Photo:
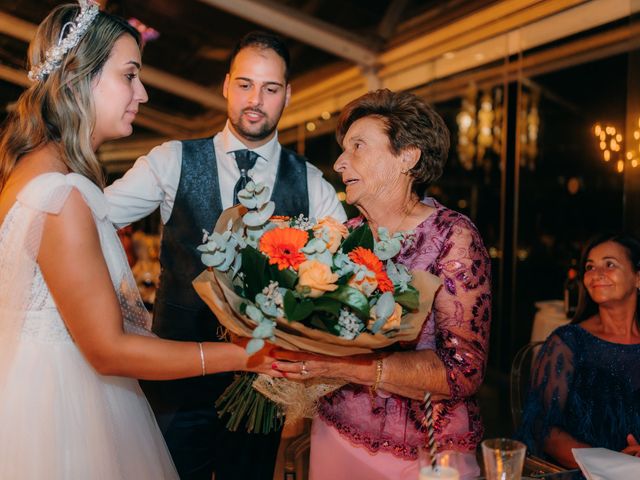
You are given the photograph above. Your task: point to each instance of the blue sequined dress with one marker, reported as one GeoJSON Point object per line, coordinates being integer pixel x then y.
{"type": "Point", "coordinates": [586, 386]}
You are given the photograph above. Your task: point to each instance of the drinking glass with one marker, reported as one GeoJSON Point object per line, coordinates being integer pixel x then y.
{"type": "Point", "coordinates": [503, 458]}
{"type": "Point", "coordinates": [446, 466]}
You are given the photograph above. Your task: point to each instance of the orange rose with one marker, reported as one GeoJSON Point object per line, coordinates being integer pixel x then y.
{"type": "Point", "coordinates": [317, 276]}
{"type": "Point", "coordinates": [367, 285]}
{"type": "Point", "coordinates": [280, 221]}
{"type": "Point", "coordinates": [334, 230]}
{"type": "Point", "coordinates": [392, 322]}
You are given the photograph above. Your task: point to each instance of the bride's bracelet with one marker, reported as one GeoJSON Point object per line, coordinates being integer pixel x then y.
{"type": "Point", "coordinates": [204, 369]}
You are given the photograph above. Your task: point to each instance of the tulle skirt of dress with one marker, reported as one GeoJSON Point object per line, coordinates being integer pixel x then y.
{"type": "Point", "coordinates": [59, 419]}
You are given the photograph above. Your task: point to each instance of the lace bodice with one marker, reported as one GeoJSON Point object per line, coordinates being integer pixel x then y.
{"type": "Point", "coordinates": [41, 321]}
{"type": "Point", "coordinates": [35, 316]}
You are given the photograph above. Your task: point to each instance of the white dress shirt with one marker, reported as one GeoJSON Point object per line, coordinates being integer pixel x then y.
{"type": "Point", "coordinates": [153, 180]}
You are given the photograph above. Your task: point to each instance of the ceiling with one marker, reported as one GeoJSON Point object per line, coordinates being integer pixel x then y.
{"type": "Point", "coordinates": [185, 66]}
{"type": "Point", "coordinates": [339, 49]}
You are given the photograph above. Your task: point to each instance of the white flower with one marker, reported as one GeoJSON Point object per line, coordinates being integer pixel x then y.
{"type": "Point", "coordinates": [270, 300]}
{"type": "Point", "coordinates": [349, 324]}
{"type": "Point", "coordinates": [302, 223]}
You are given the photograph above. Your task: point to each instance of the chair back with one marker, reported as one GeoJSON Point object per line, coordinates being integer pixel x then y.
{"type": "Point", "coordinates": [520, 379]}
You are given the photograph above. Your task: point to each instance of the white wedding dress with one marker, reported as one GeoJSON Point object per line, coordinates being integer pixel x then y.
{"type": "Point", "coordinates": [59, 419]}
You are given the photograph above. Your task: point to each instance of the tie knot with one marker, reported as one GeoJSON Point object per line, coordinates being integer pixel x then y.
{"type": "Point", "coordinates": [245, 159]}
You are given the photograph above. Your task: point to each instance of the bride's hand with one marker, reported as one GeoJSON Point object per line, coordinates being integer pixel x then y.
{"type": "Point", "coordinates": [263, 360]}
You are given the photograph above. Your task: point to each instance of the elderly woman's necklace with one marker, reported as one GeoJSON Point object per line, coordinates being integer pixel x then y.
{"type": "Point", "coordinates": [408, 212]}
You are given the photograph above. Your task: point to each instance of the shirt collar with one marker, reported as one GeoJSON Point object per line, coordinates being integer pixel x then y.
{"type": "Point", "coordinates": [231, 143]}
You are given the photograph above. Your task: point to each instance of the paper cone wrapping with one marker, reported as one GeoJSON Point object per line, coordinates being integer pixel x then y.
{"type": "Point", "coordinates": [298, 399]}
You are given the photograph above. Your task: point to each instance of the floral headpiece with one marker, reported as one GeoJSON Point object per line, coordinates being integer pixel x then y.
{"type": "Point", "coordinates": [70, 35]}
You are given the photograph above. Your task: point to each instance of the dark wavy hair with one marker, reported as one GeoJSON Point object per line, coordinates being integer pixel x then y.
{"type": "Point", "coordinates": [631, 244]}
{"type": "Point", "coordinates": [410, 122]}
{"type": "Point", "coordinates": [263, 40]}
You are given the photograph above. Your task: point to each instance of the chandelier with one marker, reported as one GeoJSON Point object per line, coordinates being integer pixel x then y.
{"type": "Point", "coordinates": [612, 146]}
{"type": "Point", "coordinates": [480, 128]}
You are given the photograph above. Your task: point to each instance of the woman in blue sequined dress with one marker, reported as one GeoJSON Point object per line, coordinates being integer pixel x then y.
{"type": "Point", "coordinates": [586, 383]}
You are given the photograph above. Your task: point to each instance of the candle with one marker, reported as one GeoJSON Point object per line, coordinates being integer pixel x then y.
{"type": "Point", "coordinates": [438, 473]}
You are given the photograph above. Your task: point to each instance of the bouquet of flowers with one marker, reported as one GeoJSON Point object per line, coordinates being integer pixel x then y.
{"type": "Point", "coordinates": [304, 285]}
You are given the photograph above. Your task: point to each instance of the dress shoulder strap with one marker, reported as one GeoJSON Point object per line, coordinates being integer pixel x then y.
{"type": "Point", "coordinates": [49, 192]}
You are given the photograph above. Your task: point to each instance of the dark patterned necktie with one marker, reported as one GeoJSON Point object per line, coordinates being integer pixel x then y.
{"type": "Point", "coordinates": [245, 159]}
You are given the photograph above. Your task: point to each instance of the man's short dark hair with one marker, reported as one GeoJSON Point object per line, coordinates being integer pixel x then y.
{"type": "Point", "coordinates": [263, 40]}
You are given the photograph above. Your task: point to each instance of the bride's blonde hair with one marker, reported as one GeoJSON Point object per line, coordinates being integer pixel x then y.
{"type": "Point", "coordinates": [59, 108]}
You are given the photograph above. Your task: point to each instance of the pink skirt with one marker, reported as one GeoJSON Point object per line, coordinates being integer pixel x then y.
{"type": "Point", "coordinates": [334, 457]}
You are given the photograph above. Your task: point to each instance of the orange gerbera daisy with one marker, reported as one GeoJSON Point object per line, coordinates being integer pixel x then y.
{"type": "Point", "coordinates": [282, 246]}
{"type": "Point", "coordinates": [364, 256]}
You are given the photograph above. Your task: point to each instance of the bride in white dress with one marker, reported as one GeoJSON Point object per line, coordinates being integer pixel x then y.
{"type": "Point", "coordinates": [73, 330]}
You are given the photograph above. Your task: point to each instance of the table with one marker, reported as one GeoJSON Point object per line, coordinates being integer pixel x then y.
{"type": "Point", "coordinates": [550, 315]}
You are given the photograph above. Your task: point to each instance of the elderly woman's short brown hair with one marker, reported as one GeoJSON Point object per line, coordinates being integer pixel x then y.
{"type": "Point", "coordinates": [410, 122]}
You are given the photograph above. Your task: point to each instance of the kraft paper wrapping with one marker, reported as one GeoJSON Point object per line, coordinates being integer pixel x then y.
{"type": "Point", "coordinates": [216, 291]}
{"type": "Point", "coordinates": [298, 399]}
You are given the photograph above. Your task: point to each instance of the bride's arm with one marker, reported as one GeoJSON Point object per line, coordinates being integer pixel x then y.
{"type": "Point", "coordinates": [76, 273]}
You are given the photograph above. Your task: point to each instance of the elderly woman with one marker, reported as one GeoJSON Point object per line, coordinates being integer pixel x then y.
{"type": "Point", "coordinates": [394, 146]}
{"type": "Point", "coordinates": [586, 386]}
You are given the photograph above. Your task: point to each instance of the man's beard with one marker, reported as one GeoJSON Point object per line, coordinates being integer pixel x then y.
{"type": "Point", "coordinates": [265, 130]}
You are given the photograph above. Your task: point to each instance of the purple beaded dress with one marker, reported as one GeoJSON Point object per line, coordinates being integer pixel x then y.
{"type": "Point", "coordinates": [448, 245]}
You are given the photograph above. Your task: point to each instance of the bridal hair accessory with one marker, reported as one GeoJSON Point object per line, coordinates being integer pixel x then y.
{"type": "Point", "coordinates": [74, 32]}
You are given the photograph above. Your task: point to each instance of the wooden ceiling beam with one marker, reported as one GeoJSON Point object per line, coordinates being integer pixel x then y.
{"type": "Point", "coordinates": [302, 27]}
{"type": "Point", "coordinates": [22, 30]}
{"type": "Point", "coordinates": [392, 16]}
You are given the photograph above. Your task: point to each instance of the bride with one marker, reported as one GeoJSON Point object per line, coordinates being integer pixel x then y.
{"type": "Point", "coordinates": [73, 330]}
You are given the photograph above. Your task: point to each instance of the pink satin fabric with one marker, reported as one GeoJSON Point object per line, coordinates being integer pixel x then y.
{"type": "Point", "coordinates": [333, 457]}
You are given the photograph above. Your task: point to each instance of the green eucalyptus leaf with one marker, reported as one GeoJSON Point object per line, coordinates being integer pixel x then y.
{"type": "Point", "coordinates": [352, 298]}
{"type": "Point", "coordinates": [360, 237]}
{"type": "Point", "coordinates": [409, 299]}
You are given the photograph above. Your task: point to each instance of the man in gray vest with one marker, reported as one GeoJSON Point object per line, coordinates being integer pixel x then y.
{"type": "Point", "coordinates": [192, 182]}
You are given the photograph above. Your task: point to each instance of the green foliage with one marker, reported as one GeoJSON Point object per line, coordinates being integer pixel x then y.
{"type": "Point", "coordinates": [296, 309]}
{"type": "Point", "coordinates": [360, 237]}
{"type": "Point", "coordinates": [410, 298]}
{"type": "Point", "coordinates": [258, 277]}
{"type": "Point", "coordinates": [352, 298]}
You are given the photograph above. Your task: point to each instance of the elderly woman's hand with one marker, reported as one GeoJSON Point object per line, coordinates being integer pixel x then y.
{"type": "Point", "coordinates": [303, 366]}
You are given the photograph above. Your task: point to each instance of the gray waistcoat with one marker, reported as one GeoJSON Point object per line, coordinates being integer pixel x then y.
{"type": "Point", "coordinates": [179, 313]}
